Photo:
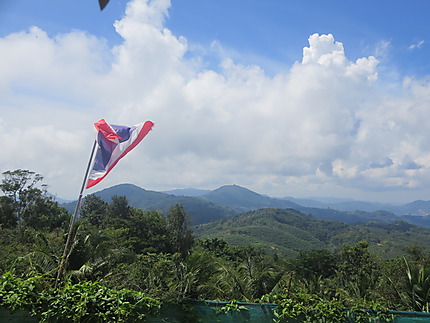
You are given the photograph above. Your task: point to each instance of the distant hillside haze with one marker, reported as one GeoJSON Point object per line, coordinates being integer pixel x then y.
{"type": "Point", "coordinates": [205, 206]}
{"type": "Point", "coordinates": [342, 204]}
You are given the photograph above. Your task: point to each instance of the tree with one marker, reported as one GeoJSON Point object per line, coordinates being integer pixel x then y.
{"type": "Point", "coordinates": [179, 227]}
{"type": "Point", "coordinates": [192, 275]}
{"type": "Point", "coordinates": [20, 187]}
{"type": "Point", "coordinates": [93, 209]}
{"type": "Point", "coordinates": [8, 217]}
{"type": "Point", "coordinates": [358, 271]}
{"type": "Point", "coordinates": [91, 260]}
{"type": "Point", "coordinates": [248, 280]}
{"type": "Point", "coordinates": [115, 215]}
{"type": "Point", "coordinates": [28, 201]}
{"type": "Point", "coordinates": [416, 253]}
{"type": "Point", "coordinates": [117, 211]}
{"type": "Point", "coordinates": [44, 214]}
{"type": "Point", "coordinates": [148, 232]}
{"type": "Point", "coordinates": [315, 263]}
{"type": "Point", "coordinates": [313, 267]}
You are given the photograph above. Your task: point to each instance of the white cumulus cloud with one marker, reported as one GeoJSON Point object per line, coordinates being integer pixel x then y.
{"type": "Point", "coordinates": [326, 126]}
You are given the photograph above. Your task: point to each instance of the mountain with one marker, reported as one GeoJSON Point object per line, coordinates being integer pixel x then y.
{"type": "Point", "coordinates": [306, 202]}
{"type": "Point", "coordinates": [200, 210]}
{"type": "Point", "coordinates": [350, 217]}
{"type": "Point", "coordinates": [187, 192]}
{"type": "Point", "coordinates": [242, 217]}
{"type": "Point", "coordinates": [243, 199]}
{"type": "Point", "coordinates": [418, 207]}
{"type": "Point", "coordinates": [344, 204]}
{"type": "Point", "coordinates": [230, 200]}
{"type": "Point", "coordinates": [288, 232]}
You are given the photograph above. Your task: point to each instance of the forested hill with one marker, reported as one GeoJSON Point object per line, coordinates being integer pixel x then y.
{"type": "Point", "coordinates": [200, 210]}
{"type": "Point", "coordinates": [243, 199]}
{"type": "Point", "coordinates": [231, 200]}
{"type": "Point", "coordinates": [289, 232]}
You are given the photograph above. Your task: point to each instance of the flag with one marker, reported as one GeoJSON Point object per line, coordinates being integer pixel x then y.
{"type": "Point", "coordinates": [114, 142]}
{"type": "Point", "coordinates": [103, 4]}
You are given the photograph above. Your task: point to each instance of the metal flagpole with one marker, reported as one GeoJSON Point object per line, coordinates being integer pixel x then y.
{"type": "Point", "coordinates": [72, 228]}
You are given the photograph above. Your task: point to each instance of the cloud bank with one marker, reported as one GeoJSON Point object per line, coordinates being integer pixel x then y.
{"type": "Point", "coordinates": [327, 126]}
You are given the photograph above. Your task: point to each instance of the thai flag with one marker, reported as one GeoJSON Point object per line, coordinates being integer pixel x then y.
{"type": "Point", "coordinates": [114, 142]}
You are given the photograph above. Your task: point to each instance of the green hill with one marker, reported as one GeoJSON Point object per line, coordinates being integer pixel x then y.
{"type": "Point", "coordinates": [243, 199]}
{"type": "Point", "coordinates": [200, 210]}
{"type": "Point", "coordinates": [232, 199]}
{"type": "Point", "coordinates": [289, 232]}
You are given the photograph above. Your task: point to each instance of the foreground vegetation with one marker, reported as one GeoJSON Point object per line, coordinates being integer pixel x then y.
{"type": "Point", "coordinates": [125, 260]}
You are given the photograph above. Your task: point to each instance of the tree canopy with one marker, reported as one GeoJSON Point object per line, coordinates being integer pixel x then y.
{"type": "Point", "coordinates": [26, 202]}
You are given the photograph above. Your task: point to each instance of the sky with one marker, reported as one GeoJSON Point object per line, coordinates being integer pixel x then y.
{"type": "Point", "coordinates": [287, 98]}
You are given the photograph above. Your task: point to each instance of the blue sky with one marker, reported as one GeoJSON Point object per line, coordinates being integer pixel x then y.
{"type": "Point", "coordinates": [271, 33]}
{"type": "Point", "coordinates": [279, 29]}
{"type": "Point", "coordinates": [287, 98]}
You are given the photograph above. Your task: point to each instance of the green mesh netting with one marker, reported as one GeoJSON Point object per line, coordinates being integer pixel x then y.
{"type": "Point", "coordinates": [210, 312]}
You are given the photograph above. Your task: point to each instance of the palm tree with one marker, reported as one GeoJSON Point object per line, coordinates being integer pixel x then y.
{"type": "Point", "coordinates": [418, 286]}
{"type": "Point", "coordinates": [43, 259]}
{"type": "Point", "coordinates": [192, 276]}
{"type": "Point", "coordinates": [87, 261]}
{"type": "Point", "coordinates": [96, 260]}
{"type": "Point", "coordinates": [247, 281]}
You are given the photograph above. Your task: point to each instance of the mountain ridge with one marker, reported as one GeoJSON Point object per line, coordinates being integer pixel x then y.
{"type": "Point", "coordinates": [229, 200]}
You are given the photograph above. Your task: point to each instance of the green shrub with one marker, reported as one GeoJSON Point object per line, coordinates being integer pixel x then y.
{"type": "Point", "coordinates": [313, 308]}
{"type": "Point", "coordinates": [84, 302]}
{"type": "Point", "coordinates": [21, 293]}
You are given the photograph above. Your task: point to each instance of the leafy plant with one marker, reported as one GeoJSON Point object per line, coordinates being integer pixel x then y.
{"type": "Point", "coordinates": [85, 302]}
{"type": "Point", "coordinates": [367, 312]}
{"type": "Point", "coordinates": [313, 308]}
{"type": "Point", "coordinates": [21, 293]}
{"type": "Point", "coordinates": [93, 302]}
{"type": "Point", "coordinates": [231, 307]}
{"type": "Point", "coordinates": [310, 308]}
{"type": "Point", "coordinates": [418, 286]}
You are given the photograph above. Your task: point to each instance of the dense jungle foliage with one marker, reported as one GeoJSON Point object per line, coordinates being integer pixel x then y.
{"type": "Point", "coordinates": [125, 260]}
